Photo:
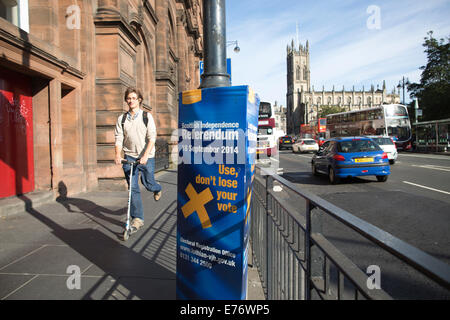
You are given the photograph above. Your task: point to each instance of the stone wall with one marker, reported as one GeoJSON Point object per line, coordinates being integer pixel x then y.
{"type": "Point", "coordinates": [81, 56]}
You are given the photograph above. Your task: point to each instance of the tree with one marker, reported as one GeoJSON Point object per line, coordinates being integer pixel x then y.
{"type": "Point", "coordinates": [326, 110]}
{"type": "Point", "coordinates": [433, 91]}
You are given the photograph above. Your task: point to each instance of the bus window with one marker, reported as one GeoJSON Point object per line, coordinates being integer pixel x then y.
{"type": "Point", "coordinates": [396, 111]}
{"type": "Point", "coordinates": [345, 117]}
{"type": "Point", "coordinates": [380, 131]}
{"type": "Point", "coordinates": [351, 117]}
{"type": "Point", "coordinates": [363, 116]}
{"type": "Point", "coordinates": [379, 114]}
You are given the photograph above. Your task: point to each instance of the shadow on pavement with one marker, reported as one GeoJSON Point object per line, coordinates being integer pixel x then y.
{"type": "Point", "coordinates": [125, 272]}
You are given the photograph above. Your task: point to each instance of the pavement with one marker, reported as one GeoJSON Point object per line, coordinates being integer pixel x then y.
{"type": "Point", "coordinates": [46, 244]}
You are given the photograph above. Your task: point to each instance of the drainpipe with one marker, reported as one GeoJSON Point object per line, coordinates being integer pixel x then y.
{"type": "Point", "coordinates": [214, 37]}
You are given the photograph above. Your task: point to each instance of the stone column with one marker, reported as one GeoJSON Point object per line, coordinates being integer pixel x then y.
{"type": "Point", "coordinates": [56, 142]}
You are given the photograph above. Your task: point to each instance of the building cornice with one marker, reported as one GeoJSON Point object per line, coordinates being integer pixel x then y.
{"type": "Point", "coordinates": [164, 76]}
{"type": "Point", "coordinates": [29, 47]}
{"type": "Point", "coordinates": [116, 20]}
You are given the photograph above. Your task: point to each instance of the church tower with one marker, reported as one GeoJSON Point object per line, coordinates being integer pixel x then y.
{"type": "Point", "coordinates": [298, 81]}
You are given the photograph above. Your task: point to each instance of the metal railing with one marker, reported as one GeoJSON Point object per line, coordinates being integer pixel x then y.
{"type": "Point", "coordinates": [161, 154]}
{"type": "Point", "coordinates": [296, 261]}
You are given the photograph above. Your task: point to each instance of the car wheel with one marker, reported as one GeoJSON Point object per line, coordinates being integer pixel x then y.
{"type": "Point", "coordinates": [332, 176]}
{"type": "Point", "coordinates": [382, 178]}
{"type": "Point", "coordinates": [392, 161]}
{"type": "Point", "coordinates": [314, 169]}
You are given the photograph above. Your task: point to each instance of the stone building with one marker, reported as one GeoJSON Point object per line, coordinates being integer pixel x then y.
{"type": "Point", "coordinates": [303, 102]}
{"type": "Point", "coordinates": [280, 117]}
{"type": "Point", "coordinates": [64, 67]}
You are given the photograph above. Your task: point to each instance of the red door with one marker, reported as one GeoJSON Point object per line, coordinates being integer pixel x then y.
{"type": "Point", "coordinates": [16, 134]}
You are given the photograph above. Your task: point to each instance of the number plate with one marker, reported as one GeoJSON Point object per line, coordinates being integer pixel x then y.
{"type": "Point", "coordinates": [364, 160]}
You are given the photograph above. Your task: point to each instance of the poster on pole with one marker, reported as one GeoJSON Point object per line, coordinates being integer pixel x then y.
{"type": "Point", "coordinates": [217, 148]}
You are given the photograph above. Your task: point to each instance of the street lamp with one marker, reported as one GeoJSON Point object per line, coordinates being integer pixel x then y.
{"type": "Point", "coordinates": [236, 48]}
{"type": "Point", "coordinates": [403, 84]}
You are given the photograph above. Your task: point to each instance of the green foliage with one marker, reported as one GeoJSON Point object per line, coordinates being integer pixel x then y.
{"type": "Point", "coordinates": [433, 91]}
{"type": "Point", "coordinates": [325, 110]}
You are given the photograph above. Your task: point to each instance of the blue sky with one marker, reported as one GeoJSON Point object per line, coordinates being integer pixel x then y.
{"type": "Point", "coordinates": [346, 47]}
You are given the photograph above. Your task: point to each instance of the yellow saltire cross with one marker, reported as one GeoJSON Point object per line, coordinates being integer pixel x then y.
{"type": "Point", "coordinates": [197, 203]}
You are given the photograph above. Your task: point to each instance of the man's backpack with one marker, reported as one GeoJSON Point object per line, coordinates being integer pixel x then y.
{"type": "Point", "coordinates": [144, 118]}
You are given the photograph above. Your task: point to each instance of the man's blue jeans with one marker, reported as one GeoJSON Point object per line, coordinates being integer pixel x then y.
{"type": "Point", "coordinates": [147, 179]}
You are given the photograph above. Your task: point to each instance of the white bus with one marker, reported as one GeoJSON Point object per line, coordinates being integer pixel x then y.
{"type": "Point", "coordinates": [387, 120]}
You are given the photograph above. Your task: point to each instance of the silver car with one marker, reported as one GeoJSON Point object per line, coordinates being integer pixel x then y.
{"type": "Point", "coordinates": [387, 145]}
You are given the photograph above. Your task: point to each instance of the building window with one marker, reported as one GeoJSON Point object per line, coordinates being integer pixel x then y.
{"type": "Point", "coordinates": [297, 73]}
{"type": "Point", "coordinates": [16, 12]}
{"type": "Point", "coordinates": [305, 71]}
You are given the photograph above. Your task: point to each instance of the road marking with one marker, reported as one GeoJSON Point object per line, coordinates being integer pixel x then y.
{"type": "Point", "coordinates": [432, 189]}
{"type": "Point", "coordinates": [427, 156]}
{"type": "Point", "coordinates": [28, 254]}
{"type": "Point", "coordinates": [23, 285]}
{"type": "Point", "coordinates": [430, 166]}
{"type": "Point", "coordinates": [308, 157]}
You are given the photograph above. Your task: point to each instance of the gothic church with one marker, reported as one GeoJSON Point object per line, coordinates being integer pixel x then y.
{"type": "Point", "coordinates": [303, 102]}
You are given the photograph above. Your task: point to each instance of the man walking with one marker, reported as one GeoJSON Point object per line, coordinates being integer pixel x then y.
{"type": "Point", "coordinates": [135, 134]}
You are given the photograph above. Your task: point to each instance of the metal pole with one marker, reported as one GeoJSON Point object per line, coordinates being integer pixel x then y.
{"type": "Point", "coordinates": [403, 90]}
{"type": "Point", "coordinates": [214, 36]}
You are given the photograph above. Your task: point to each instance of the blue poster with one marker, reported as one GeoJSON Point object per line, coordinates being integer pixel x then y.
{"type": "Point", "coordinates": [217, 148]}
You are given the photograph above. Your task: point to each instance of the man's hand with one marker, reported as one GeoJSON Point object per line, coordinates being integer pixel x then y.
{"type": "Point", "coordinates": [143, 159]}
{"type": "Point", "coordinates": [118, 159]}
{"type": "Point", "coordinates": [118, 153]}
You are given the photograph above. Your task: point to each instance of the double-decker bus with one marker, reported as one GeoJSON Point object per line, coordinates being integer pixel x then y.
{"type": "Point", "coordinates": [307, 131]}
{"type": "Point", "coordinates": [316, 130]}
{"type": "Point", "coordinates": [320, 130]}
{"type": "Point", "coordinates": [387, 119]}
{"type": "Point", "coordinates": [267, 140]}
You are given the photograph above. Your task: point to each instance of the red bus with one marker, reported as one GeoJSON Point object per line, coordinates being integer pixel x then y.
{"type": "Point", "coordinates": [320, 130]}
{"type": "Point", "coordinates": [267, 143]}
{"type": "Point", "coordinates": [314, 130]}
{"type": "Point", "coordinates": [307, 131]}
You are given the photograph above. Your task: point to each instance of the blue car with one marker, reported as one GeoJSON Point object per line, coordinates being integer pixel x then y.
{"type": "Point", "coordinates": [351, 157]}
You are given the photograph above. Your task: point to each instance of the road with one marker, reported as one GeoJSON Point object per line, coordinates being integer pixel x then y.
{"type": "Point", "coordinates": [413, 205]}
